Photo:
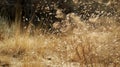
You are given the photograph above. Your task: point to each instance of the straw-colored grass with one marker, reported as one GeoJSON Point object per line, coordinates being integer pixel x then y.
{"type": "Point", "coordinates": [92, 44]}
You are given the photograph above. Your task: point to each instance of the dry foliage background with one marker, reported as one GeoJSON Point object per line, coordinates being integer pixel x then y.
{"type": "Point", "coordinates": [92, 43]}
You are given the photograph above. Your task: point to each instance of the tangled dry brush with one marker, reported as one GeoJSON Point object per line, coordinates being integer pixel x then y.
{"type": "Point", "coordinates": [74, 43]}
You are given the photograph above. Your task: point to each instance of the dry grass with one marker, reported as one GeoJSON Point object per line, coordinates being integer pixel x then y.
{"type": "Point", "coordinates": [92, 44]}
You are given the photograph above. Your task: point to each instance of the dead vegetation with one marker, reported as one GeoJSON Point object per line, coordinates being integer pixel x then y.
{"type": "Point", "coordinates": [91, 44]}
{"type": "Point", "coordinates": [75, 43]}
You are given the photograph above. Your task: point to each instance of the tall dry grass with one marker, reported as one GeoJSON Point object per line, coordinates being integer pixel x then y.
{"type": "Point", "coordinates": [92, 43]}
